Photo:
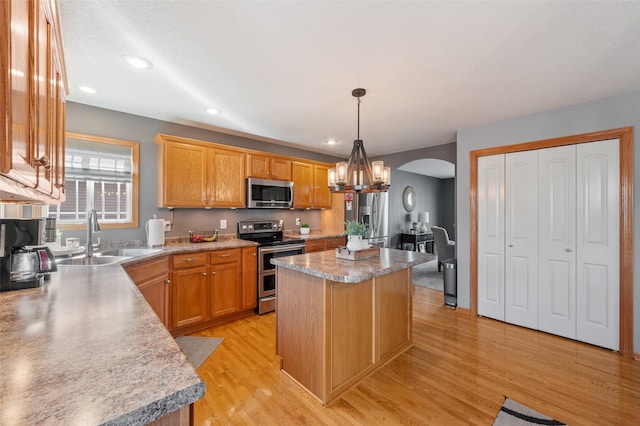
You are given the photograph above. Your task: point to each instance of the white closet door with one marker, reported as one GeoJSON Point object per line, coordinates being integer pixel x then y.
{"type": "Point", "coordinates": [521, 235]}
{"type": "Point", "coordinates": [598, 243]}
{"type": "Point", "coordinates": [557, 241]}
{"type": "Point", "coordinates": [491, 236]}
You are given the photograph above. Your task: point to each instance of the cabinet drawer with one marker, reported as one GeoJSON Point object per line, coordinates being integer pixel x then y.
{"type": "Point", "coordinates": [144, 271]}
{"type": "Point", "coordinates": [225, 256]}
{"type": "Point", "coordinates": [332, 243]}
{"type": "Point", "coordinates": [314, 245]}
{"type": "Point", "coordinates": [189, 260]}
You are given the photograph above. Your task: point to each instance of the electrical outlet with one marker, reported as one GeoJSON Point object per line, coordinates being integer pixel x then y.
{"type": "Point", "coordinates": [298, 221]}
{"type": "Point", "coordinates": [167, 226]}
{"type": "Point", "coordinates": [223, 223]}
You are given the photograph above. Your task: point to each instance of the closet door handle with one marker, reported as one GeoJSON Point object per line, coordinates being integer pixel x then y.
{"type": "Point", "coordinates": [568, 250]}
{"type": "Point", "coordinates": [510, 245]}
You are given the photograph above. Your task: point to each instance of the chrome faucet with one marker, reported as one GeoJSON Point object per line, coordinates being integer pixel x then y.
{"type": "Point", "coordinates": [92, 226]}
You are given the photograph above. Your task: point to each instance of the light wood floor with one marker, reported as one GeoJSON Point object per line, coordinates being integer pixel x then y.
{"type": "Point", "coordinates": [458, 372]}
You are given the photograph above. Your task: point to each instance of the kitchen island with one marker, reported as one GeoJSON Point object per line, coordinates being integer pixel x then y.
{"type": "Point", "coordinates": [338, 320]}
{"type": "Point", "coordinates": [86, 349]}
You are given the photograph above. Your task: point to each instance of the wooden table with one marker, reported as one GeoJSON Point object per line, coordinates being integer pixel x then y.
{"type": "Point", "coordinates": [417, 239]}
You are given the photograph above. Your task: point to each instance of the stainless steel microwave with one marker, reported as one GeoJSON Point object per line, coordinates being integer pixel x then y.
{"type": "Point", "coordinates": [269, 194]}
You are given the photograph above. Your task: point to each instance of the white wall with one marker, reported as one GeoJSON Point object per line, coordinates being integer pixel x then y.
{"type": "Point", "coordinates": [603, 114]}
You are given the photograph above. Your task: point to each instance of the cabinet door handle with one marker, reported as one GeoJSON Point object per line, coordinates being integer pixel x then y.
{"type": "Point", "coordinates": [204, 274]}
{"type": "Point", "coordinates": [254, 254]}
{"type": "Point", "coordinates": [225, 255]}
{"type": "Point", "coordinates": [43, 161]}
{"type": "Point", "coordinates": [167, 281]}
{"type": "Point", "coordinates": [213, 273]}
{"type": "Point", "coordinates": [191, 259]}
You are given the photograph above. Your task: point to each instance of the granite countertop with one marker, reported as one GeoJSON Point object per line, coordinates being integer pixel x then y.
{"type": "Point", "coordinates": [185, 247]}
{"type": "Point", "coordinates": [325, 264]}
{"type": "Point", "coordinates": [86, 348]}
{"type": "Point", "coordinates": [314, 235]}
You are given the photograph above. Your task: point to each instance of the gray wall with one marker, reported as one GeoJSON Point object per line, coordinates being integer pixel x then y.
{"type": "Point", "coordinates": [107, 123]}
{"type": "Point", "coordinates": [433, 195]}
{"type": "Point", "coordinates": [603, 114]}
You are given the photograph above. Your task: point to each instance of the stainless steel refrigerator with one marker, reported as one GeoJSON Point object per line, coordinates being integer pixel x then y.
{"type": "Point", "coordinates": [372, 210]}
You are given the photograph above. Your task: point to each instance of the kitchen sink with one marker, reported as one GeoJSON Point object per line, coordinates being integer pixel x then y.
{"type": "Point", "coordinates": [91, 261]}
{"type": "Point", "coordinates": [131, 252]}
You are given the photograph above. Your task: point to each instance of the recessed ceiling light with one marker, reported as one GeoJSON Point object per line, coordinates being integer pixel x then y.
{"type": "Point", "coordinates": [137, 61]}
{"type": "Point", "coordinates": [331, 142]}
{"type": "Point", "coordinates": [214, 111]}
{"type": "Point", "coordinates": [87, 89]}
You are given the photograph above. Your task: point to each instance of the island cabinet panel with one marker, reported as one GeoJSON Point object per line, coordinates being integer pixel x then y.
{"type": "Point", "coordinates": [331, 335]}
{"type": "Point", "coordinates": [352, 330]}
{"type": "Point", "coordinates": [394, 319]}
{"type": "Point", "coordinates": [301, 333]}
{"type": "Point", "coordinates": [152, 279]}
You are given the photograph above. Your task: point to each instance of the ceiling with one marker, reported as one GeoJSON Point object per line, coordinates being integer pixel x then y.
{"type": "Point", "coordinates": [284, 70]}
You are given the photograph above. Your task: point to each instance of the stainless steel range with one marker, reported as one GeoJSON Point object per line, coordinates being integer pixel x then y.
{"type": "Point", "coordinates": [271, 244]}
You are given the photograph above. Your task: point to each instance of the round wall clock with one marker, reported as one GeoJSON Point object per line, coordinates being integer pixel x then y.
{"type": "Point", "coordinates": [409, 199]}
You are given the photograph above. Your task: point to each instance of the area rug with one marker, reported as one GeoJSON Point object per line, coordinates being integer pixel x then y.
{"type": "Point", "coordinates": [427, 275]}
{"type": "Point", "coordinates": [515, 414]}
{"type": "Point", "coordinates": [198, 349]}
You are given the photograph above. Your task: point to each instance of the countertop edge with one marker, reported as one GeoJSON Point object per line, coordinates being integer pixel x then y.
{"type": "Point", "coordinates": [160, 407]}
{"type": "Point", "coordinates": [321, 270]}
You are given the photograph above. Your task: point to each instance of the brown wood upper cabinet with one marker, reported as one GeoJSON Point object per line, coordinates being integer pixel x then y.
{"type": "Point", "coordinates": [199, 174]}
{"type": "Point", "coordinates": [32, 138]}
{"type": "Point", "coordinates": [310, 189]}
{"type": "Point", "coordinates": [266, 166]}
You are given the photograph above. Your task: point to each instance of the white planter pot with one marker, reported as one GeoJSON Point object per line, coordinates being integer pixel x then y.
{"type": "Point", "coordinates": [354, 243]}
{"type": "Point", "coordinates": [305, 231]}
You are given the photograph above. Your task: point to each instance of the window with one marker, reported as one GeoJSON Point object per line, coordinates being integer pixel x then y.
{"type": "Point", "coordinates": [100, 173]}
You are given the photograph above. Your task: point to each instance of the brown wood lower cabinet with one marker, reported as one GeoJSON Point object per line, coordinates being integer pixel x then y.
{"type": "Point", "coordinates": [152, 279]}
{"type": "Point", "coordinates": [322, 244]}
{"type": "Point", "coordinates": [212, 287]}
{"type": "Point", "coordinates": [193, 291]}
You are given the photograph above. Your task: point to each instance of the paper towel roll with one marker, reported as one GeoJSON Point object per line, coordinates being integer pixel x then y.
{"type": "Point", "coordinates": [155, 232]}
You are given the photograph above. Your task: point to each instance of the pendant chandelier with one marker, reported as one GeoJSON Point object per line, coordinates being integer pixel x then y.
{"type": "Point", "coordinates": [358, 174]}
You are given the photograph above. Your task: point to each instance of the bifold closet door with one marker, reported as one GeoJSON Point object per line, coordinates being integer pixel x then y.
{"type": "Point", "coordinates": [491, 237]}
{"type": "Point", "coordinates": [598, 243]}
{"type": "Point", "coordinates": [521, 238]}
{"type": "Point", "coordinates": [557, 240]}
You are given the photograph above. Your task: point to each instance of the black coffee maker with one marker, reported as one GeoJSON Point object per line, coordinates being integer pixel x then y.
{"type": "Point", "coordinates": [24, 261]}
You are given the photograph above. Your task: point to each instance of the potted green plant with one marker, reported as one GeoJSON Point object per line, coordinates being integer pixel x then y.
{"type": "Point", "coordinates": [305, 229]}
{"type": "Point", "coordinates": [355, 231]}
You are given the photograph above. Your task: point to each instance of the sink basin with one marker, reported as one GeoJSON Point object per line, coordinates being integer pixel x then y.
{"type": "Point", "coordinates": [92, 261]}
{"type": "Point", "coordinates": [131, 252]}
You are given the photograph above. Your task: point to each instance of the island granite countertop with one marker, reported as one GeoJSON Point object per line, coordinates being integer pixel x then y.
{"type": "Point", "coordinates": [87, 349]}
{"type": "Point", "coordinates": [325, 264]}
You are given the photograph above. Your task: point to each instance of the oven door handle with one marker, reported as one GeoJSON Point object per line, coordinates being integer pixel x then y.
{"type": "Point", "coordinates": [283, 247]}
